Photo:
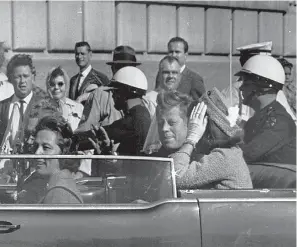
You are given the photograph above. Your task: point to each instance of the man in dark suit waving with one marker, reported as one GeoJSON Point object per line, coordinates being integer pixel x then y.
{"type": "Point", "coordinates": [88, 79]}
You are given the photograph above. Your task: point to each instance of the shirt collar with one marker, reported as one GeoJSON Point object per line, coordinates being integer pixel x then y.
{"type": "Point", "coordinates": [182, 68]}
{"type": "Point", "coordinates": [86, 71]}
{"type": "Point", "coordinates": [68, 101]}
{"type": "Point", "coordinates": [27, 99]}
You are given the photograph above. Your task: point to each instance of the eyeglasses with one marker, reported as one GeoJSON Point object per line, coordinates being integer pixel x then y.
{"type": "Point", "coordinates": [60, 84]}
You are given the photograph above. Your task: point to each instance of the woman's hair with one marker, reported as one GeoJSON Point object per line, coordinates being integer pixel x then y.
{"type": "Point", "coordinates": [214, 136]}
{"type": "Point", "coordinates": [44, 107]}
{"type": "Point", "coordinates": [54, 73]}
{"type": "Point", "coordinates": [285, 63]}
{"type": "Point", "coordinates": [41, 108]}
{"type": "Point", "coordinates": [64, 134]}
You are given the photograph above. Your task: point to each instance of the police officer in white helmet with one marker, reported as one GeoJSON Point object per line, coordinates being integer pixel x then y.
{"type": "Point", "coordinates": [270, 135]}
{"type": "Point", "coordinates": [129, 84]}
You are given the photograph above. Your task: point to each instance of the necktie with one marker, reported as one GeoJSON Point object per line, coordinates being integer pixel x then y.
{"type": "Point", "coordinates": [78, 84]}
{"type": "Point", "coordinates": [22, 102]}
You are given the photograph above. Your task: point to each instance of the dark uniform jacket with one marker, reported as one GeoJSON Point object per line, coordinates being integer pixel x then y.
{"type": "Point", "coordinates": [4, 111]}
{"type": "Point", "coordinates": [130, 131]}
{"type": "Point", "coordinates": [191, 84]}
{"type": "Point", "coordinates": [94, 77]}
{"type": "Point", "coordinates": [270, 136]}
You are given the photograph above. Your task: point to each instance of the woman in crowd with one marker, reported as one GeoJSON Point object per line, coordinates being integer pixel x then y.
{"type": "Point", "coordinates": [57, 83]}
{"type": "Point", "coordinates": [202, 142]}
{"type": "Point", "coordinates": [53, 137]}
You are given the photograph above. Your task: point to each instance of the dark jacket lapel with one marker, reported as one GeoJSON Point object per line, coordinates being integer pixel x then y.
{"type": "Point", "coordinates": [4, 111]}
{"type": "Point", "coordinates": [92, 78]}
{"type": "Point", "coordinates": [73, 87]}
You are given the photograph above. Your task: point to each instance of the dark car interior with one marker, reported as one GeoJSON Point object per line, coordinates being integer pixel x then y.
{"type": "Point", "coordinates": [129, 181]}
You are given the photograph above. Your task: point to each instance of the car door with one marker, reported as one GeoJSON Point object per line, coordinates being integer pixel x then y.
{"type": "Point", "coordinates": [118, 218]}
{"type": "Point", "coordinates": [164, 223]}
{"type": "Point", "coordinates": [247, 217]}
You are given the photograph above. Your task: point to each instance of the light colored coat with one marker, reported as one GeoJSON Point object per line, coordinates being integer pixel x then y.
{"type": "Point", "coordinates": [223, 168]}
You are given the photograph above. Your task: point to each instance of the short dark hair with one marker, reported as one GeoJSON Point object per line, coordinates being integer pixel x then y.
{"type": "Point", "coordinates": [166, 100]}
{"type": "Point", "coordinates": [82, 43]}
{"type": "Point", "coordinates": [213, 137]}
{"type": "Point", "coordinates": [285, 63]}
{"type": "Point", "coordinates": [64, 134]}
{"type": "Point", "coordinates": [169, 59]}
{"type": "Point", "coordinates": [60, 126]}
{"type": "Point", "coordinates": [179, 39]}
{"type": "Point", "coordinates": [19, 60]}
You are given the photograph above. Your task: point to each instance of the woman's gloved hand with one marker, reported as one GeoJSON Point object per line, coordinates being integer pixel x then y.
{"type": "Point", "coordinates": [196, 124]}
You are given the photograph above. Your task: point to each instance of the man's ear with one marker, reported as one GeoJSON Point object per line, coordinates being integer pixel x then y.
{"type": "Point", "coordinates": [90, 52]}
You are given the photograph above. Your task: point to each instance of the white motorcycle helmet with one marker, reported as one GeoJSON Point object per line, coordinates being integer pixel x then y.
{"type": "Point", "coordinates": [131, 78]}
{"type": "Point", "coordinates": [267, 68]}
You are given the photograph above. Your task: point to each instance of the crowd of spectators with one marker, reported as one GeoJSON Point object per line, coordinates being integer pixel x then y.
{"type": "Point", "coordinates": [212, 140]}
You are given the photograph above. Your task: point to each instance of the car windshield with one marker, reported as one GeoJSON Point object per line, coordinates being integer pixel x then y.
{"type": "Point", "coordinates": [110, 180]}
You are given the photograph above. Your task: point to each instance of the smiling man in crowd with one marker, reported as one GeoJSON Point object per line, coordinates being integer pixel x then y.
{"type": "Point", "coordinates": [191, 83]}
{"type": "Point", "coordinates": [88, 79]}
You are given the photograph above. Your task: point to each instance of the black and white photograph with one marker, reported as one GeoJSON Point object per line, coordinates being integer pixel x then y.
{"type": "Point", "coordinates": [147, 123]}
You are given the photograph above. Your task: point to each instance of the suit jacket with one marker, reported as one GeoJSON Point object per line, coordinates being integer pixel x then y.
{"type": "Point", "coordinates": [191, 83]}
{"type": "Point", "coordinates": [4, 111]}
{"type": "Point", "coordinates": [94, 77]}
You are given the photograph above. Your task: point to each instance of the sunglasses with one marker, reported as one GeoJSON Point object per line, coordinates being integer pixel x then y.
{"type": "Point", "coordinates": [60, 84]}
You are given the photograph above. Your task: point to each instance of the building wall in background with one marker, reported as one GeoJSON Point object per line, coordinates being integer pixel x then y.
{"type": "Point", "coordinates": [49, 29]}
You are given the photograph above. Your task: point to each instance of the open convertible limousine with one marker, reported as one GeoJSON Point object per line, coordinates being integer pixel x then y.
{"type": "Point", "coordinates": [139, 205]}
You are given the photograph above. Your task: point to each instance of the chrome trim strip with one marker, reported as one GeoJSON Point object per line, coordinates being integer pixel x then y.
{"type": "Point", "coordinates": [83, 207]}
{"type": "Point", "coordinates": [109, 157]}
{"type": "Point", "coordinates": [208, 200]}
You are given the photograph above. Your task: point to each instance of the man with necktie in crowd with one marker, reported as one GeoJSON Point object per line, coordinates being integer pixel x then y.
{"type": "Point", "coordinates": [14, 111]}
{"type": "Point", "coordinates": [88, 79]}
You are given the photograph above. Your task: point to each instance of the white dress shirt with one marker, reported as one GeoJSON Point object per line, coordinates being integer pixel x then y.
{"type": "Point", "coordinates": [182, 68]}
{"type": "Point", "coordinates": [84, 75]}
{"type": "Point", "coordinates": [16, 100]}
